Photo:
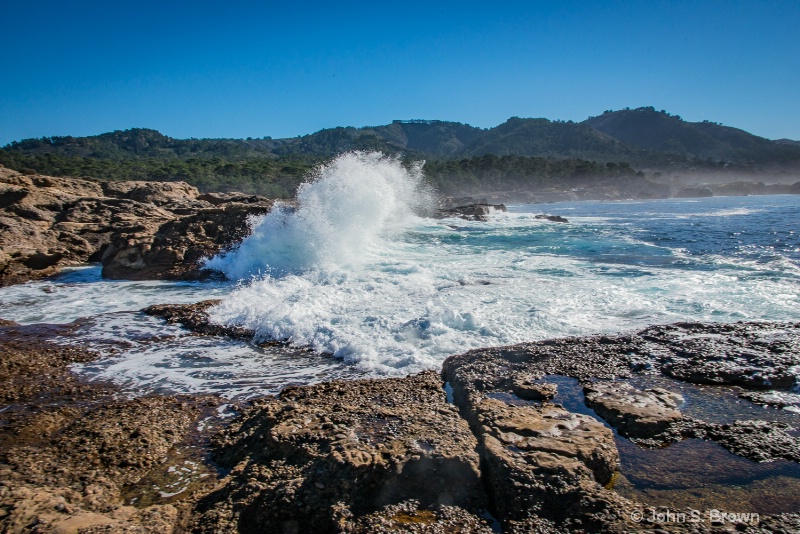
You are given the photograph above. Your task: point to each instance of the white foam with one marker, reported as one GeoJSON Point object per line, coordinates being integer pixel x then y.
{"type": "Point", "coordinates": [353, 272]}
{"type": "Point", "coordinates": [144, 355]}
{"type": "Point", "coordinates": [82, 292]}
{"type": "Point", "coordinates": [352, 205]}
{"type": "Point", "coordinates": [433, 292]}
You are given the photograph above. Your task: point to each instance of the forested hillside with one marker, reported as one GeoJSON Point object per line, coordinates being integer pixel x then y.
{"type": "Point", "coordinates": [520, 153]}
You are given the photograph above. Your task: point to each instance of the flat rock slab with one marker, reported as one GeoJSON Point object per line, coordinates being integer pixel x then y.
{"type": "Point", "coordinates": [751, 355]}
{"type": "Point", "coordinates": [316, 454]}
{"type": "Point", "coordinates": [636, 414]}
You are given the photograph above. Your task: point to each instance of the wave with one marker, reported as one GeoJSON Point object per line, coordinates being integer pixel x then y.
{"type": "Point", "coordinates": [349, 207]}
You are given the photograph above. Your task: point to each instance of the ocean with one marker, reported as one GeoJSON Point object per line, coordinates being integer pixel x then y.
{"type": "Point", "coordinates": [360, 284]}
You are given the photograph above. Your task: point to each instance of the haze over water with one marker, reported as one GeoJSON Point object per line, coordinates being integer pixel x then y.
{"type": "Point", "coordinates": [358, 272]}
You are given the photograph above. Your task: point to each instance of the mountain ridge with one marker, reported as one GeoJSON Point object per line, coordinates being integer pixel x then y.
{"type": "Point", "coordinates": [519, 153]}
{"type": "Point", "coordinates": [640, 136]}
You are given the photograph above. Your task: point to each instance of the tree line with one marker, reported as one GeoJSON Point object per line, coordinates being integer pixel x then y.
{"type": "Point", "coordinates": [279, 177]}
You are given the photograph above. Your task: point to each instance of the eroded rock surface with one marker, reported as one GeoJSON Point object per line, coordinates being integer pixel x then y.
{"type": "Point", "coordinates": [636, 414]}
{"type": "Point", "coordinates": [542, 479]}
{"type": "Point", "coordinates": [472, 212]}
{"type": "Point", "coordinates": [761, 441]}
{"type": "Point", "coordinates": [69, 450]}
{"type": "Point", "coordinates": [195, 317]}
{"type": "Point", "coordinates": [382, 455]}
{"type": "Point", "coordinates": [174, 250]}
{"type": "Point", "coordinates": [751, 355]}
{"type": "Point", "coordinates": [410, 517]}
{"type": "Point", "coordinates": [319, 456]}
{"type": "Point", "coordinates": [140, 230]}
{"type": "Point", "coordinates": [545, 467]}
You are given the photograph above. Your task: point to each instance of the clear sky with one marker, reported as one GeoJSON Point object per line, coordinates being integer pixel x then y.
{"type": "Point", "coordinates": [262, 68]}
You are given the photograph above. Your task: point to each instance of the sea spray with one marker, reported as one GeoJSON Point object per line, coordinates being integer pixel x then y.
{"type": "Point", "coordinates": [332, 273]}
{"type": "Point", "coordinates": [349, 206]}
{"type": "Point", "coordinates": [432, 288]}
{"type": "Point", "coordinates": [407, 292]}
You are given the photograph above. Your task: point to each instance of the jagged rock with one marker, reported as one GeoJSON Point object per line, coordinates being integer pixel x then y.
{"type": "Point", "coordinates": [140, 230]}
{"type": "Point", "coordinates": [543, 465]}
{"type": "Point", "coordinates": [636, 414]}
{"type": "Point", "coordinates": [760, 441]}
{"type": "Point", "coordinates": [315, 454]}
{"type": "Point", "coordinates": [472, 212]}
{"type": "Point", "coordinates": [751, 355]}
{"type": "Point", "coordinates": [174, 250]}
{"type": "Point", "coordinates": [195, 318]}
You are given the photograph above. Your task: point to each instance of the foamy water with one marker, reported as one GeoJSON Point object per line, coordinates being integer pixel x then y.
{"type": "Point", "coordinates": [360, 282]}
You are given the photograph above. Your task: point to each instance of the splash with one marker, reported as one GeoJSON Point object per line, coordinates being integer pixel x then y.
{"type": "Point", "coordinates": [349, 208]}
{"type": "Point", "coordinates": [352, 272]}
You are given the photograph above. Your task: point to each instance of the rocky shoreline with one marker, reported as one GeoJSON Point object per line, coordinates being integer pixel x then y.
{"type": "Point", "coordinates": [486, 445]}
{"type": "Point", "coordinates": [535, 437]}
{"type": "Point", "coordinates": [137, 230]}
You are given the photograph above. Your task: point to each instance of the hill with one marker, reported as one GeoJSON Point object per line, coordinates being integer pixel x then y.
{"type": "Point", "coordinates": [661, 132]}
{"type": "Point", "coordinates": [527, 151]}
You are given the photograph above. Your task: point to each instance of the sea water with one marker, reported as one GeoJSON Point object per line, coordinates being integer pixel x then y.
{"type": "Point", "coordinates": [361, 282]}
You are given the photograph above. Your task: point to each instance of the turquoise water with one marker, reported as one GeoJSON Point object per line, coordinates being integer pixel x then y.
{"type": "Point", "coordinates": [402, 299]}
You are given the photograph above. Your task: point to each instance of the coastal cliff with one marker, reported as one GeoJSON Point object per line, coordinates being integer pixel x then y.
{"type": "Point", "coordinates": [138, 230]}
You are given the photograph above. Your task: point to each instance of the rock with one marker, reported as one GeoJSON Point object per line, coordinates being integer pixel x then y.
{"type": "Point", "coordinates": [409, 516]}
{"type": "Point", "coordinates": [760, 441]}
{"type": "Point", "coordinates": [778, 399]}
{"type": "Point", "coordinates": [66, 466]}
{"type": "Point", "coordinates": [140, 230]}
{"type": "Point", "coordinates": [218, 199]}
{"type": "Point", "coordinates": [552, 218]}
{"type": "Point", "coordinates": [31, 364]}
{"type": "Point", "coordinates": [637, 415]}
{"type": "Point", "coordinates": [544, 442]}
{"type": "Point", "coordinates": [303, 461]}
{"type": "Point", "coordinates": [751, 355]}
{"type": "Point", "coordinates": [195, 318]}
{"type": "Point", "coordinates": [543, 465]}
{"type": "Point", "coordinates": [526, 387]}
{"type": "Point", "coordinates": [472, 212]}
{"type": "Point", "coordinates": [382, 455]}
{"type": "Point", "coordinates": [70, 450]}
{"type": "Point", "coordinates": [157, 193]}
{"type": "Point", "coordinates": [175, 249]}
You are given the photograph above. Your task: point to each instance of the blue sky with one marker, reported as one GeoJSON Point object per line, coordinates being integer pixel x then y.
{"type": "Point", "coordinates": [281, 69]}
